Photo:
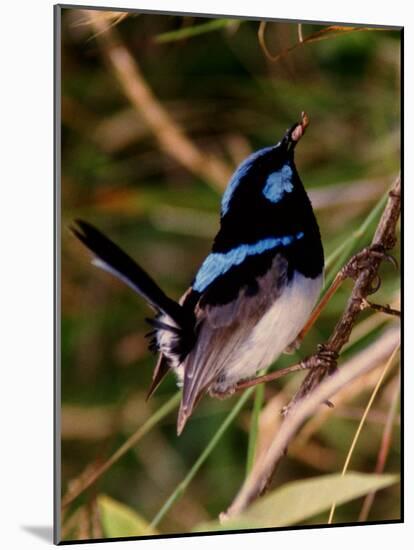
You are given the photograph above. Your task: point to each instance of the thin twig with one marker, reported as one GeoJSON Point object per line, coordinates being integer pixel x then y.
{"type": "Point", "coordinates": [383, 309]}
{"type": "Point", "coordinates": [170, 135]}
{"type": "Point", "coordinates": [339, 279]}
{"type": "Point", "coordinates": [318, 386]}
{"type": "Point", "coordinates": [322, 34]}
{"type": "Point", "coordinates": [300, 33]}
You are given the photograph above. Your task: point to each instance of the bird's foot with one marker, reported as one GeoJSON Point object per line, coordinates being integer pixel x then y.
{"type": "Point", "coordinates": [221, 393]}
{"type": "Point", "coordinates": [366, 259]}
{"type": "Point", "coordinates": [320, 365]}
{"type": "Point", "coordinates": [326, 358]}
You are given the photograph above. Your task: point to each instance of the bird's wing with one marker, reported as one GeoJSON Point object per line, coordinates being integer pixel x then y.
{"type": "Point", "coordinates": [244, 291]}
{"type": "Point", "coordinates": [226, 314]}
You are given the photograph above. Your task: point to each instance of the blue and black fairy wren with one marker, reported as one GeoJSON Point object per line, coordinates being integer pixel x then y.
{"type": "Point", "coordinates": [253, 293]}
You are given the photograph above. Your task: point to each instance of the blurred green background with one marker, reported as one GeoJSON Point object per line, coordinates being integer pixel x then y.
{"type": "Point", "coordinates": [229, 99]}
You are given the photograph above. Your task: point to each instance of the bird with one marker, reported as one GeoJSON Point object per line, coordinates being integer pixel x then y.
{"type": "Point", "coordinates": [252, 294]}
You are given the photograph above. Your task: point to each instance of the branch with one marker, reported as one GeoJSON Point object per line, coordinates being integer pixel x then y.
{"type": "Point", "coordinates": [363, 268]}
{"type": "Point", "coordinates": [170, 135]}
{"type": "Point", "coordinates": [263, 469]}
{"type": "Point", "coordinates": [318, 387]}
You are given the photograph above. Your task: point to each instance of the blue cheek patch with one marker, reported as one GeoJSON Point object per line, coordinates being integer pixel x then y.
{"type": "Point", "coordinates": [218, 263]}
{"type": "Point", "coordinates": [278, 183]}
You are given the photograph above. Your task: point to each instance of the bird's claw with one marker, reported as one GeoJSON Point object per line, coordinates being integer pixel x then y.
{"type": "Point", "coordinates": [326, 358]}
{"type": "Point", "coordinates": [364, 260]}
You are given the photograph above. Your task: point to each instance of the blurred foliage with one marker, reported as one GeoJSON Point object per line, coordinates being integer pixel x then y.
{"type": "Point", "coordinates": [120, 521]}
{"type": "Point", "coordinates": [219, 86]}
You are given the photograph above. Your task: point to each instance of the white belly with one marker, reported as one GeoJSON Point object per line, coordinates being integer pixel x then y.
{"type": "Point", "coordinates": [275, 331]}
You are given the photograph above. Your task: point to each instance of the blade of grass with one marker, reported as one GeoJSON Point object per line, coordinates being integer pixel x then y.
{"type": "Point", "coordinates": [182, 486]}
{"type": "Point", "coordinates": [343, 252]}
{"type": "Point", "coordinates": [362, 422]}
{"type": "Point", "coordinates": [78, 486]}
{"type": "Point", "coordinates": [384, 448]}
{"type": "Point", "coordinates": [195, 30]}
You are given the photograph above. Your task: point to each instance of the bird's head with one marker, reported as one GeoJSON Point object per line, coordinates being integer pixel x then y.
{"type": "Point", "coordinates": [268, 173]}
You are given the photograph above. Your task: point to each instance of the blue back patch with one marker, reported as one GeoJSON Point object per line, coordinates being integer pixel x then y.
{"type": "Point", "coordinates": [218, 263]}
{"type": "Point", "coordinates": [278, 183]}
{"type": "Point", "coordinates": [240, 172]}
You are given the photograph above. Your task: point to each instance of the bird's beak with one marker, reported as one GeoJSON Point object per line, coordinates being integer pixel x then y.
{"type": "Point", "coordinates": [294, 134]}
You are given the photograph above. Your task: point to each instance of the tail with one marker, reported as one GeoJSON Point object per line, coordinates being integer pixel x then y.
{"type": "Point", "coordinates": [197, 378]}
{"type": "Point", "coordinates": [112, 259]}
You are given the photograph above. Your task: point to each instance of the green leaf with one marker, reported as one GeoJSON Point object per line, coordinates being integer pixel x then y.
{"type": "Point", "coordinates": [118, 520]}
{"type": "Point", "coordinates": [195, 30]}
{"type": "Point", "coordinates": [301, 500]}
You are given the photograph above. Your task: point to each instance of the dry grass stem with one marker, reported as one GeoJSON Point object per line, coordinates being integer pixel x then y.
{"type": "Point", "coordinates": [323, 34]}
{"type": "Point", "coordinates": [171, 137]}
{"type": "Point", "coordinates": [362, 422]}
{"type": "Point", "coordinates": [384, 447]}
{"type": "Point", "coordinates": [375, 355]}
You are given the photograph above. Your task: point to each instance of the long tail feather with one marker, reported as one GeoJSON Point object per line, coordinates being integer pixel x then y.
{"type": "Point", "coordinates": [112, 259]}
